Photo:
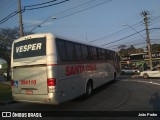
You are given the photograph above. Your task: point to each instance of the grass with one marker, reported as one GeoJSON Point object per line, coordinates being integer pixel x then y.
{"type": "Point", "coordinates": [5, 92]}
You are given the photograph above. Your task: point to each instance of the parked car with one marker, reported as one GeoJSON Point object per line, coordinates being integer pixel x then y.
{"type": "Point", "coordinates": [155, 72]}
{"type": "Point", "coordinates": [129, 71]}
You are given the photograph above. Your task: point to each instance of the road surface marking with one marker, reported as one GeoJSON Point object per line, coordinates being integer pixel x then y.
{"type": "Point", "coordinates": [150, 82]}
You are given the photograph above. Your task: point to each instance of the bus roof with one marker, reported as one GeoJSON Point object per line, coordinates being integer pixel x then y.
{"type": "Point", "coordinates": [80, 42]}
{"type": "Point", "coordinates": [60, 37]}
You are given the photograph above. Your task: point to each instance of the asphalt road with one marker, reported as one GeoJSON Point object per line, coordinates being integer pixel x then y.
{"type": "Point", "coordinates": [124, 94]}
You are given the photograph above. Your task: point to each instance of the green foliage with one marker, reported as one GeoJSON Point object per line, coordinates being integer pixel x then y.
{"type": "Point", "coordinates": [130, 50]}
{"type": "Point", "coordinates": [5, 92]}
{"type": "Point", "coordinates": [7, 36]}
{"type": "Point", "coordinates": [155, 48]}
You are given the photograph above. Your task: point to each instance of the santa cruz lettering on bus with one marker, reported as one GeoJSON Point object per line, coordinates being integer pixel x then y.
{"type": "Point", "coordinates": [78, 69]}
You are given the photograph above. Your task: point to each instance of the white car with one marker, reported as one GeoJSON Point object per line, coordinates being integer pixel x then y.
{"type": "Point", "coordinates": [155, 72]}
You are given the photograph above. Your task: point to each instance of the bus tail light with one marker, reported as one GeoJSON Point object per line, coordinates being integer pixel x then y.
{"type": "Point", "coordinates": [51, 82]}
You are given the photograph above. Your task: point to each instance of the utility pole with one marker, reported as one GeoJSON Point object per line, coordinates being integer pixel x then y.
{"type": "Point", "coordinates": [20, 18]}
{"type": "Point", "coordinates": [144, 13]}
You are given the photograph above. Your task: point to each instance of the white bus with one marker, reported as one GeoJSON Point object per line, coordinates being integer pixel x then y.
{"type": "Point", "coordinates": [52, 70]}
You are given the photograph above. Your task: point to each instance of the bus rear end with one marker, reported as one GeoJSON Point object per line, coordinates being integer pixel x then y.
{"type": "Point", "coordinates": [33, 80]}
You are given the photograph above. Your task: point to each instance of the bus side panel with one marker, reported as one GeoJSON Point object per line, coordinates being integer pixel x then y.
{"type": "Point", "coordinates": [70, 86]}
{"type": "Point", "coordinates": [100, 76]}
{"type": "Point", "coordinates": [64, 85]}
{"type": "Point", "coordinates": [78, 84]}
{"type": "Point", "coordinates": [103, 74]}
{"type": "Point", "coordinates": [109, 72]}
{"type": "Point", "coordinates": [64, 90]}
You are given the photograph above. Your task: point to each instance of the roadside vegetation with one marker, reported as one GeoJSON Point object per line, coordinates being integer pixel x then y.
{"type": "Point", "coordinates": [5, 92]}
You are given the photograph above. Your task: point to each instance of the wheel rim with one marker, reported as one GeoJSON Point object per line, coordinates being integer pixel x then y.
{"type": "Point", "coordinates": [89, 89]}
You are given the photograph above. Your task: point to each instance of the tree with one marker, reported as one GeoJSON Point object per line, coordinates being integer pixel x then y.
{"type": "Point", "coordinates": [130, 50]}
{"type": "Point", "coordinates": [7, 36]}
{"type": "Point", "coordinates": [122, 46]}
{"type": "Point", "coordinates": [155, 48]}
{"type": "Point", "coordinates": [123, 52]}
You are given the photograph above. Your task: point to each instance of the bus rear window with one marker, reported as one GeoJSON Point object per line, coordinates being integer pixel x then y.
{"type": "Point", "coordinates": [30, 48]}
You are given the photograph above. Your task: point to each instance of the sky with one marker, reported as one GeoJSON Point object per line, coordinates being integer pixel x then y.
{"type": "Point", "coordinates": [105, 23]}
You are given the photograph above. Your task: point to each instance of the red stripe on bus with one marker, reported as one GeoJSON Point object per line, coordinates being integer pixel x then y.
{"type": "Point", "coordinates": [52, 64]}
{"type": "Point", "coordinates": [80, 62]}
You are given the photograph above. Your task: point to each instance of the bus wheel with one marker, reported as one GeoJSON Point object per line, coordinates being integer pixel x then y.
{"type": "Point", "coordinates": [114, 77]}
{"type": "Point", "coordinates": [89, 89]}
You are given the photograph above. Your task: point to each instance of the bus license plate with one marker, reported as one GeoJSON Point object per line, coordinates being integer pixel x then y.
{"type": "Point", "coordinates": [29, 92]}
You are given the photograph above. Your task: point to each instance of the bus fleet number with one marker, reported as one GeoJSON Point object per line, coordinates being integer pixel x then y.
{"type": "Point", "coordinates": [28, 82]}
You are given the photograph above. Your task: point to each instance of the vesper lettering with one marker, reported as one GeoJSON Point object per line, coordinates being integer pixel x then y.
{"type": "Point", "coordinates": [35, 46]}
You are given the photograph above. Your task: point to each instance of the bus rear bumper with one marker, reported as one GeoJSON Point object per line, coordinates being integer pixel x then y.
{"type": "Point", "coordinates": [50, 98]}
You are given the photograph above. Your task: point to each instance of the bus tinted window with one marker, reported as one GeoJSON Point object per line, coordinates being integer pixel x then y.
{"type": "Point", "coordinates": [78, 51]}
{"type": "Point", "coordinates": [84, 52]}
{"type": "Point", "coordinates": [90, 53]}
{"type": "Point", "coordinates": [103, 54]}
{"type": "Point", "coordinates": [113, 55]}
{"type": "Point", "coordinates": [70, 51]}
{"type": "Point", "coordinates": [29, 48]}
{"type": "Point", "coordinates": [108, 53]}
{"type": "Point", "coordinates": [100, 54]}
{"type": "Point", "coordinates": [94, 53]}
{"type": "Point", "coordinates": [61, 50]}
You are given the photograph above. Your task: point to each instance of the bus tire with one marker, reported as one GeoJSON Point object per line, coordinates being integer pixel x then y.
{"type": "Point", "coordinates": [114, 77]}
{"type": "Point", "coordinates": [89, 88]}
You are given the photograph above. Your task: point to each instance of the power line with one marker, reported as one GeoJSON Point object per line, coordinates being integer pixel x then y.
{"type": "Point", "coordinates": [69, 9]}
{"type": "Point", "coordinates": [122, 38]}
{"type": "Point", "coordinates": [116, 33]}
{"type": "Point", "coordinates": [28, 8]}
{"type": "Point", "coordinates": [85, 9]}
{"type": "Point", "coordinates": [122, 30]}
{"type": "Point", "coordinates": [108, 35]}
{"type": "Point", "coordinates": [73, 11]}
{"type": "Point", "coordinates": [41, 3]}
{"type": "Point", "coordinates": [128, 36]}
{"type": "Point", "coordinates": [137, 43]}
{"type": "Point", "coordinates": [25, 8]}
{"type": "Point", "coordinates": [9, 16]}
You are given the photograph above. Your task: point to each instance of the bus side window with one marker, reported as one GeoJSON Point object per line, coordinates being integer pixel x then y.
{"type": "Point", "coordinates": [99, 53]}
{"type": "Point", "coordinates": [78, 51]}
{"type": "Point", "coordinates": [94, 53]}
{"type": "Point", "coordinates": [90, 52]}
{"type": "Point", "coordinates": [85, 55]}
{"type": "Point", "coordinates": [108, 55]}
{"type": "Point", "coordinates": [70, 50]}
{"type": "Point", "coordinates": [61, 50]}
{"type": "Point", "coordinates": [103, 54]}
